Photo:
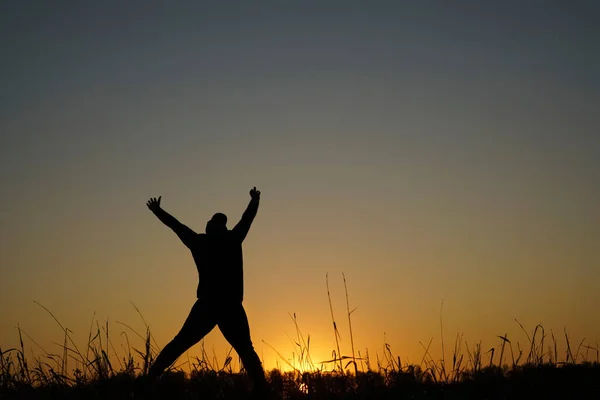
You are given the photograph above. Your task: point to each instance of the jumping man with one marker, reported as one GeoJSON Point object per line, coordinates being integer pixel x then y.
{"type": "Point", "coordinates": [218, 257]}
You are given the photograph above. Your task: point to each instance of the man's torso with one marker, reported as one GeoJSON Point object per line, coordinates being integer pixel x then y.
{"type": "Point", "coordinates": [219, 262]}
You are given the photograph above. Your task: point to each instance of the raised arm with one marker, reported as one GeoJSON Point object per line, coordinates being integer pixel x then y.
{"type": "Point", "coordinates": [185, 234]}
{"type": "Point", "coordinates": [242, 227]}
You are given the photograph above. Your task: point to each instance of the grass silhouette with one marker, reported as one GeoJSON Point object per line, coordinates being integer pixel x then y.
{"type": "Point", "coordinates": [99, 372]}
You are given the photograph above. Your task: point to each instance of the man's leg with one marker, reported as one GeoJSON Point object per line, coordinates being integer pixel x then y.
{"type": "Point", "coordinates": [233, 323]}
{"type": "Point", "coordinates": [197, 325]}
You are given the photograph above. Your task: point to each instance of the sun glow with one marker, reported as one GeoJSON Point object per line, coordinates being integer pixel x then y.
{"type": "Point", "coordinates": [304, 362]}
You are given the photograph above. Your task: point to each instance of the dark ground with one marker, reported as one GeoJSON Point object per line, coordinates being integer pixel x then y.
{"type": "Point", "coordinates": [580, 381]}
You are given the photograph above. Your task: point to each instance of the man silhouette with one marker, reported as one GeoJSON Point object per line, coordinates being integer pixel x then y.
{"type": "Point", "coordinates": [218, 257]}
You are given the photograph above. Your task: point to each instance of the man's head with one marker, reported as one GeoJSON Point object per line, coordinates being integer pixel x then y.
{"type": "Point", "coordinates": [217, 224]}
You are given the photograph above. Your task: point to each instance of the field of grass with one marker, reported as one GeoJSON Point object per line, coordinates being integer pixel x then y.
{"type": "Point", "coordinates": [96, 377]}
{"type": "Point", "coordinates": [506, 371]}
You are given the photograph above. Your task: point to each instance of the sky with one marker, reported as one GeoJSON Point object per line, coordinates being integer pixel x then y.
{"type": "Point", "coordinates": [434, 152]}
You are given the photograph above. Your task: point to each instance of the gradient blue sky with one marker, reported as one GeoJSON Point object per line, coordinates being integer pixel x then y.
{"type": "Point", "coordinates": [430, 150]}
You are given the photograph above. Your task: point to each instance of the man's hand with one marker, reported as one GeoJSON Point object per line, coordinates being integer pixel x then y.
{"type": "Point", "coordinates": [255, 194]}
{"type": "Point", "coordinates": [154, 203]}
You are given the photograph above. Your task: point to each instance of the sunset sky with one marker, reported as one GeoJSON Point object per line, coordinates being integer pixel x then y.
{"type": "Point", "coordinates": [430, 150]}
